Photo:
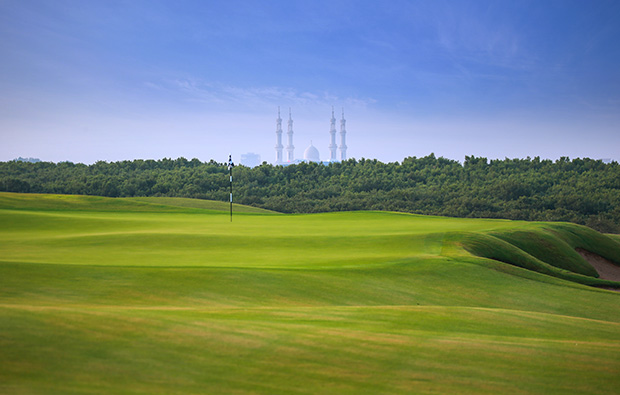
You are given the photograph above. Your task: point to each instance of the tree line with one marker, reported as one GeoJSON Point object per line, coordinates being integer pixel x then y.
{"type": "Point", "coordinates": [583, 191]}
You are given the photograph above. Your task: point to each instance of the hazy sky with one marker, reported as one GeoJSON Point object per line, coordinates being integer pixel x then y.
{"type": "Point", "coordinates": [113, 80]}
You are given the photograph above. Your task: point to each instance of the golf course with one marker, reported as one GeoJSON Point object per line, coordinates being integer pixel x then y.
{"type": "Point", "coordinates": [168, 295]}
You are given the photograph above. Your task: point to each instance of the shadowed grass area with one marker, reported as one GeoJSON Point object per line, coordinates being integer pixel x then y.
{"type": "Point", "coordinates": [166, 300]}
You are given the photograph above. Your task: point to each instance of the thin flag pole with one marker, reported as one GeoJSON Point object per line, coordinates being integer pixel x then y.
{"type": "Point", "coordinates": [230, 167]}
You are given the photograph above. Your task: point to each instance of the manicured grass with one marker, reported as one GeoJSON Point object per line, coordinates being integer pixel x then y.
{"type": "Point", "coordinates": [120, 296]}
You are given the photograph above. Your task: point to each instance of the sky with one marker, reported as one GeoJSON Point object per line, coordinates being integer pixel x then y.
{"type": "Point", "coordinates": [85, 81]}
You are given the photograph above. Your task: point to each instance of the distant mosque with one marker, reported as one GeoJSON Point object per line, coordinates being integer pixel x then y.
{"type": "Point", "coordinates": [311, 154]}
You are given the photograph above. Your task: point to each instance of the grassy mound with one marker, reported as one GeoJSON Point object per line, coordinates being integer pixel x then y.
{"type": "Point", "coordinates": [549, 249]}
{"type": "Point", "coordinates": [35, 201]}
{"type": "Point", "coordinates": [166, 296]}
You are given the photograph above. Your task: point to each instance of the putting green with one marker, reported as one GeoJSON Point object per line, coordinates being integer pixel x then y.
{"type": "Point", "coordinates": [134, 235]}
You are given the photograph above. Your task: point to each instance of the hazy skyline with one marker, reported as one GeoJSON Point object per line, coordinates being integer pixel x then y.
{"type": "Point", "coordinates": [115, 80]}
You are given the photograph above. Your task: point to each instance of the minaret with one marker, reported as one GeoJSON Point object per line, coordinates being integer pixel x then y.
{"type": "Point", "coordinates": [290, 156]}
{"type": "Point", "coordinates": [343, 137]}
{"type": "Point", "coordinates": [332, 132]}
{"type": "Point", "coordinates": [279, 145]}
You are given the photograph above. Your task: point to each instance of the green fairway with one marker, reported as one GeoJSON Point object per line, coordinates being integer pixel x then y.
{"type": "Point", "coordinates": [160, 295]}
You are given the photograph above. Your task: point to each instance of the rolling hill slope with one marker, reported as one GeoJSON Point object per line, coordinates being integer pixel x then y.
{"type": "Point", "coordinates": [125, 295]}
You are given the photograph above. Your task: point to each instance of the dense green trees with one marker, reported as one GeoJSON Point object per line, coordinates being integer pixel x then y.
{"type": "Point", "coordinates": [583, 191]}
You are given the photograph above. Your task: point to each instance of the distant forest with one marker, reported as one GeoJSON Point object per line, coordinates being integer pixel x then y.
{"type": "Point", "coordinates": [582, 191]}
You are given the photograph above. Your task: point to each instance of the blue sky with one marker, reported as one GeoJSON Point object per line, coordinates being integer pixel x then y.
{"type": "Point", "coordinates": [114, 80]}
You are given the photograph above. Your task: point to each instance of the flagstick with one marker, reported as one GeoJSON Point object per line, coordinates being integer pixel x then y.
{"type": "Point", "coordinates": [230, 166]}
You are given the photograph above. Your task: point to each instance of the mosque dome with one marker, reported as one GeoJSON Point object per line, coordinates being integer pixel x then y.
{"type": "Point", "coordinates": [311, 154]}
